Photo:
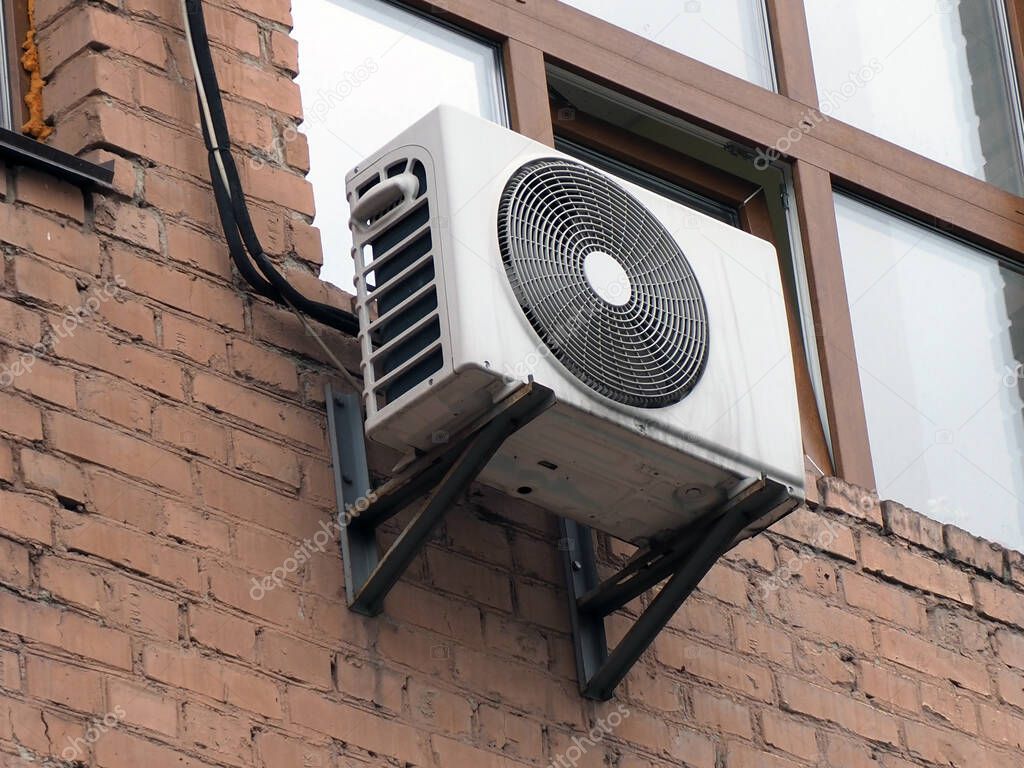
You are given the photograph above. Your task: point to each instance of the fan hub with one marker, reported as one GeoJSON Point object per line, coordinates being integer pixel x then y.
{"type": "Point", "coordinates": [607, 278]}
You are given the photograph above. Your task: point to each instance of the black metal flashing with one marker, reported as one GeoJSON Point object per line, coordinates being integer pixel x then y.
{"type": "Point", "coordinates": [16, 149]}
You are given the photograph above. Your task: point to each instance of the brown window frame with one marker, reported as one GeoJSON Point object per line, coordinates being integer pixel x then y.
{"type": "Point", "coordinates": [536, 33]}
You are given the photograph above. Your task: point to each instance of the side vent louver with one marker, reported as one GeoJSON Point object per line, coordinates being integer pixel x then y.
{"type": "Point", "coordinates": [395, 250]}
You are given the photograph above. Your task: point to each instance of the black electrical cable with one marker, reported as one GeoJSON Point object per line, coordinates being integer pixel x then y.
{"type": "Point", "coordinates": [243, 243]}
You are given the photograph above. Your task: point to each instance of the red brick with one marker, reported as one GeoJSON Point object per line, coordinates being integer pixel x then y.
{"type": "Point", "coordinates": [72, 686]}
{"type": "Point", "coordinates": [978, 553]}
{"type": "Point", "coordinates": [10, 671]}
{"type": "Point", "coordinates": [904, 566]}
{"type": "Point", "coordinates": [117, 599]}
{"type": "Point", "coordinates": [849, 753]}
{"type": "Point", "coordinates": [49, 382]}
{"type": "Point", "coordinates": [262, 457]}
{"type": "Point", "coordinates": [354, 726]}
{"type": "Point", "coordinates": [296, 658]}
{"type": "Point", "coordinates": [721, 714]}
{"type": "Point", "coordinates": [925, 657]}
{"type": "Point", "coordinates": [143, 707]}
{"type": "Point", "coordinates": [278, 750]}
{"type": "Point", "coordinates": [132, 317]}
{"type": "Point", "coordinates": [119, 451]}
{"type": "Point", "coordinates": [850, 499]}
{"type": "Point", "coordinates": [745, 756]}
{"type": "Point", "coordinates": [954, 750]}
{"type": "Point", "coordinates": [218, 735]}
{"type": "Point", "coordinates": [818, 530]}
{"type": "Point", "coordinates": [26, 517]}
{"type": "Point", "coordinates": [361, 680]}
{"type": "Point", "coordinates": [425, 608]}
{"type": "Point", "coordinates": [118, 749]}
{"type": "Point", "coordinates": [190, 293]}
{"type": "Point", "coordinates": [1011, 687]}
{"type": "Point", "coordinates": [884, 685]}
{"type": "Point", "coordinates": [115, 401]}
{"type": "Point", "coordinates": [787, 734]}
{"type": "Point", "coordinates": [50, 239]}
{"type": "Point", "coordinates": [839, 708]}
{"type": "Point", "coordinates": [509, 733]}
{"type": "Point", "coordinates": [19, 417]}
{"type": "Point", "coordinates": [198, 250]}
{"type": "Point", "coordinates": [36, 279]}
{"type": "Point", "coordinates": [727, 584]}
{"type": "Point", "coordinates": [217, 629]}
{"type": "Point", "coordinates": [7, 462]}
{"type": "Point", "coordinates": [201, 529]}
{"type": "Point", "coordinates": [811, 571]}
{"type": "Point", "coordinates": [15, 569]}
{"type": "Point", "coordinates": [515, 638]}
{"type": "Point", "coordinates": [179, 197]}
{"type": "Point", "coordinates": [17, 324]}
{"type": "Point", "coordinates": [813, 615]}
{"type": "Point", "coordinates": [717, 667]}
{"type": "Point", "coordinates": [1002, 727]}
{"type": "Point", "coordinates": [125, 501]}
{"type": "Point", "coordinates": [44, 191]}
{"type": "Point", "coordinates": [826, 664]}
{"type": "Point", "coordinates": [763, 641]}
{"type": "Point", "coordinates": [438, 709]}
{"type": "Point", "coordinates": [945, 702]}
{"type": "Point", "coordinates": [913, 526]}
{"type": "Point", "coordinates": [479, 582]}
{"type": "Point", "coordinates": [999, 602]}
{"type": "Point", "coordinates": [204, 345]}
{"type": "Point", "coordinates": [884, 601]}
{"type": "Point", "coordinates": [133, 550]}
{"type": "Point", "coordinates": [190, 431]}
{"type": "Point", "coordinates": [258, 85]}
{"type": "Point", "coordinates": [90, 26]}
{"type": "Point", "coordinates": [259, 409]}
{"type": "Point", "coordinates": [126, 361]}
{"type": "Point", "coordinates": [222, 682]}
{"type": "Point", "coordinates": [1009, 645]}
{"type": "Point", "coordinates": [452, 752]}
{"type": "Point", "coordinates": [284, 52]}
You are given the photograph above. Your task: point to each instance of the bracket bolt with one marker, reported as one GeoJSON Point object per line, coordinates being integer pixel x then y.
{"type": "Point", "coordinates": [577, 565]}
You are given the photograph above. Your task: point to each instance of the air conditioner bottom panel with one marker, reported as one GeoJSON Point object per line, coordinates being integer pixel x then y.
{"type": "Point", "coordinates": [606, 476]}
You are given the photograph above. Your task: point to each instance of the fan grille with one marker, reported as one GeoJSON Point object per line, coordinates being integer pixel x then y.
{"type": "Point", "coordinates": [647, 352]}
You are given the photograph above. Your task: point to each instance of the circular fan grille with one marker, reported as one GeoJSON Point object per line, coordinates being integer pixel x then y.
{"type": "Point", "coordinates": [640, 338]}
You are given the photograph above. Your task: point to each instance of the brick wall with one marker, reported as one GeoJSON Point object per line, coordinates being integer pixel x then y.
{"type": "Point", "coordinates": [162, 451]}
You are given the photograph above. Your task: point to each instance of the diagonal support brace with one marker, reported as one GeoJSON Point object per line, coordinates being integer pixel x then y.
{"type": "Point", "coordinates": [685, 561]}
{"type": "Point", "coordinates": [443, 473]}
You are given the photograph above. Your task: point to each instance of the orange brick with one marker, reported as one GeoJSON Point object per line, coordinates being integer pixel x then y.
{"type": "Point", "coordinates": [256, 503]}
{"type": "Point", "coordinates": [265, 366]}
{"type": "Point", "coordinates": [839, 708]}
{"type": "Point", "coordinates": [362, 680]}
{"type": "Point", "coordinates": [902, 565]}
{"type": "Point", "coordinates": [727, 584]}
{"type": "Point", "coordinates": [143, 707]}
{"type": "Point", "coordinates": [122, 500]}
{"type": "Point", "coordinates": [6, 462]}
{"type": "Point", "coordinates": [465, 577]}
{"type": "Point", "coordinates": [506, 635]}
{"type": "Point", "coordinates": [810, 613]}
{"type": "Point", "coordinates": [978, 553]}
{"type": "Point", "coordinates": [190, 525]}
{"type": "Point", "coordinates": [1011, 687]}
{"type": "Point", "coordinates": [93, 27]}
{"type": "Point", "coordinates": [17, 324]}
{"type": "Point", "coordinates": [284, 52]}
{"type": "Point", "coordinates": [850, 499]}
{"type": "Point", "coordinates": [218, 629]}
{"type": "Point", "coordinates": [849, 753]}
{"type": "Point", "coordinates": [913, 526]}
{"type": "Point", "coordinates": [119, 451]}
{"type": "Point", "coordinates": [198, 250]}
{"type": "Point", "coordinates": [118, 748]}
{"type": "Point", "coordinates": [1010, 646]}
{"type": "Point", "coordinates": [928, 658]}
{"type": "Point", "coordinates": [132, 317]}
{"type": "Point", "coordinates": [763, 641]}
{"type": "Point", "coordinates": [296, 658]}
{"type": "Point", "coordinates": [945, 702]}
{"type": "Point", "coordinates": [138, 551]}
{"type": "Point", "coordinates": [510, 734]}
{"type": "Point", "coordinates": [826, 664]}
{"type": "Point", "coordinates": [15, 570]}
{"type": "Point", "coordinates": [744, 756]}
{"type": "Point", "coordinates": [49, 382]}
{"type": "Point", "coordinates": [948, 748]}
{"type": "Point", "coordinates": [194, 433]}
{"type": "Point", "coordinates": [717, 666]}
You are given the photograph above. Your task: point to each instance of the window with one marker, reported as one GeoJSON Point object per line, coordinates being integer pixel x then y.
{"type": "Point", "coordinates": [731, 35]}
{"type": "Point", "coordinates": [8, 66]}
{"type": "Point", "coordinates": [368, 69]}
{"type": "Point", "coordinates": [934, 76]}
{"type": "Point", "coordinates": [939, 332]}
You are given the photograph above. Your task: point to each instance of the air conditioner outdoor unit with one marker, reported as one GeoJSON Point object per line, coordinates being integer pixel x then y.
{"type": "Point", "coordinates": [485, 259]}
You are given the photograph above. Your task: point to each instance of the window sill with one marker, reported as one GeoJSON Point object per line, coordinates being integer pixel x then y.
{"type": "Point", "coordinates": [21, 150]}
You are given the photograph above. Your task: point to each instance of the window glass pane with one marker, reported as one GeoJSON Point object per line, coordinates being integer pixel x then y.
{"type": "Point", "coordinates": [368, 70]}
{"type": "Point", "coordinates": [933, 76]}
{"type": "Point", "coordinates": [939, 329]}
{"type": "Point", "coordinates": [731, 35]}
{"type": "Point", "coordinates": [6, 92]}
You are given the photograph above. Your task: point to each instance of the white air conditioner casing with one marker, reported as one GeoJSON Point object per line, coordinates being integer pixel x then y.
{"type": "Point", "coordinates": [443, 338]}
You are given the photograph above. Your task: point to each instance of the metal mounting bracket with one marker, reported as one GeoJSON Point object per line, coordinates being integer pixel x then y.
{"type": "Point", "coordinates": [442, 473]}
{"type": "Point", "coordinates": [684, 559]}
